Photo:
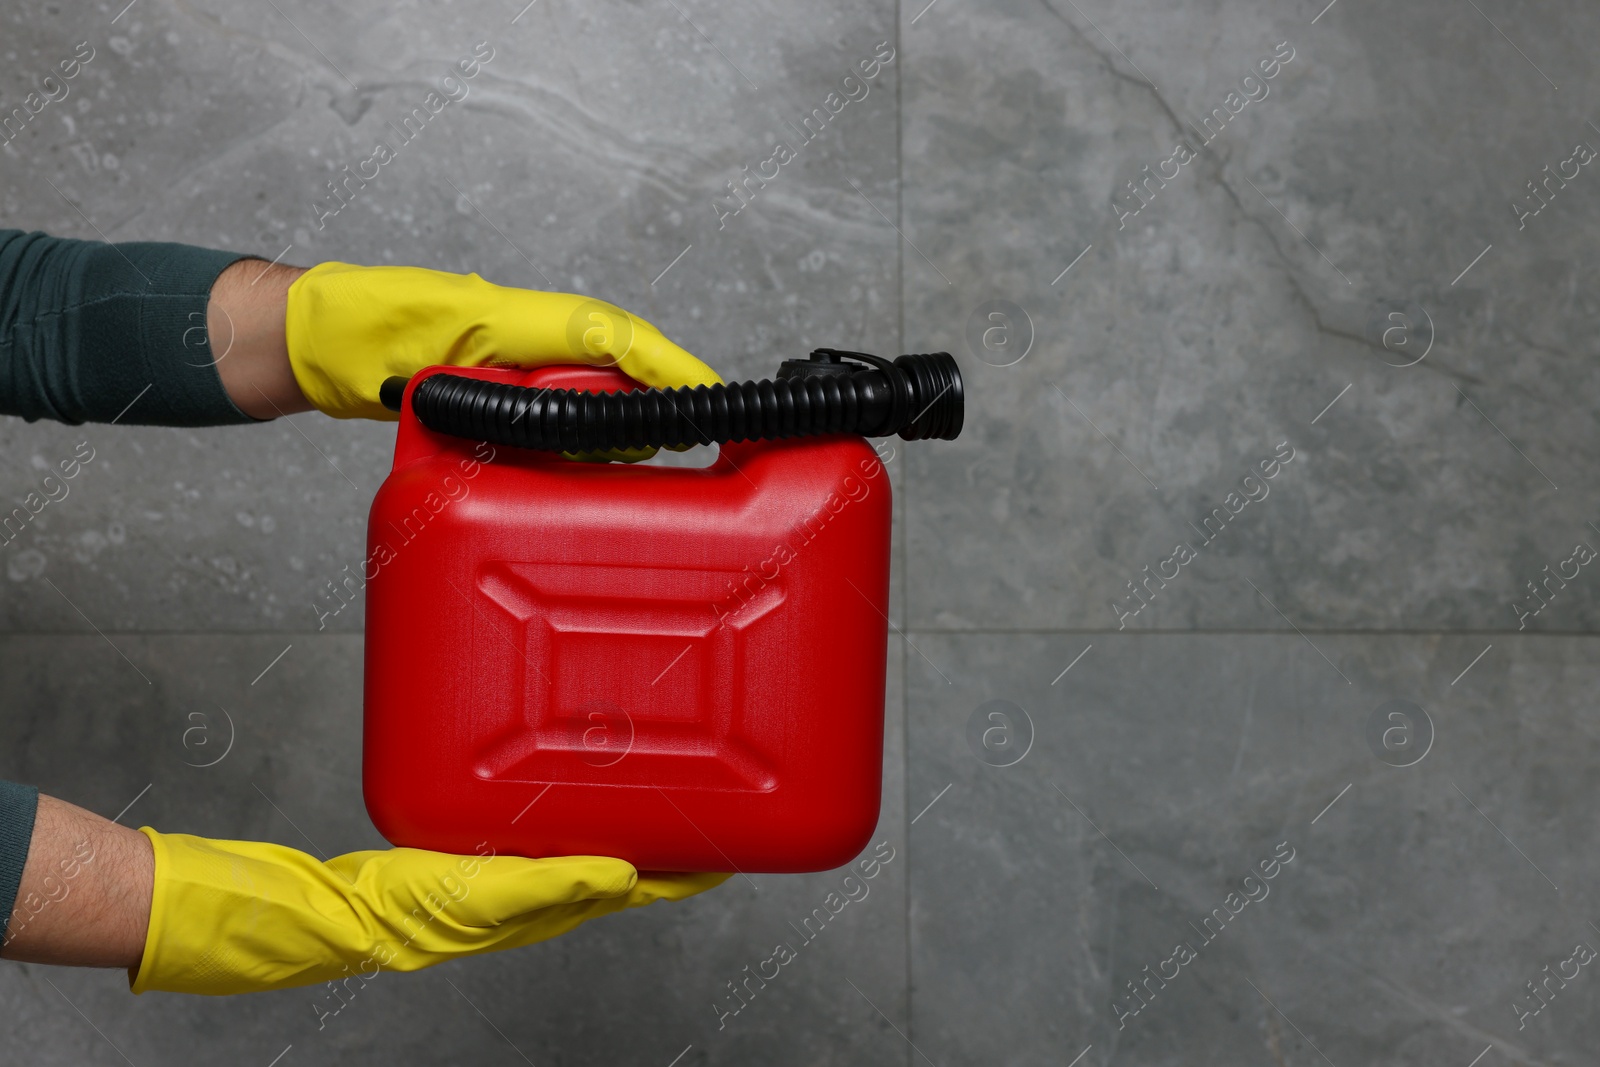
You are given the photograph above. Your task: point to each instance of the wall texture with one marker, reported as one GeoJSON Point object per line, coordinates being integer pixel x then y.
{"type": "Point", "coordinates": [1169, 243]}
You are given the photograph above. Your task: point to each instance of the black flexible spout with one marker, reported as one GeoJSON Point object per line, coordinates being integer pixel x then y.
{"type": "Point", "coordinates": [915, 396]}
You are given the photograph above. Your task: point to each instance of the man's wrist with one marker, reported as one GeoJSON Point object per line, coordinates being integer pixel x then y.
{"type": "Point", "coordinates": [245, 324]}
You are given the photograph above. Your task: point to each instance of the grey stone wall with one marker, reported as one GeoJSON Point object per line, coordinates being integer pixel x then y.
{"type": "Point", "coordinates": [1160, 268]}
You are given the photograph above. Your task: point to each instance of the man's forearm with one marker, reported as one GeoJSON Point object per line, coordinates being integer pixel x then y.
{"type": "Point", "coordinates": [85, 893]}
{"type": "Point", "coordinates": [244, 321]}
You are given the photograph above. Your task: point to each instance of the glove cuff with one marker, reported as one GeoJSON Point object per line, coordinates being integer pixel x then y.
{"type": "Point", "coordinates": [139, 977]}
{"type": "Point", "coordinates": [305, 315]}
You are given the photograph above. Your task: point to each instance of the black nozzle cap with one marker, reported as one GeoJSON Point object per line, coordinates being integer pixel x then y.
{"type": "Point", "coordinates": [392, 392]}
{"type": "Point", "coordinates": [823, 361]}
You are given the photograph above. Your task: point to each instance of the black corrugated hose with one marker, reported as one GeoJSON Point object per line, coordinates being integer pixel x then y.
{"type": "Point", "coordinates": [917, 396]}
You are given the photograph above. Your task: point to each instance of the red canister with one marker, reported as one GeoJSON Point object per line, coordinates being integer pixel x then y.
{"type": "Point", "coordinates": [680, 667]}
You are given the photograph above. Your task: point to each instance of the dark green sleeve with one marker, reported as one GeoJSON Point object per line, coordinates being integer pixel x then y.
{"type": "Point", "coordinates": [88, 329]}
{"type": "Point", "coordinates": [18, 804]}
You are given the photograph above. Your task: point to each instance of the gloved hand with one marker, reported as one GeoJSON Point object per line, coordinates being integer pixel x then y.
{"type": "Point", "coordinates": [239, 916]}
{"type": "Point", "coordinates": [351, 327]}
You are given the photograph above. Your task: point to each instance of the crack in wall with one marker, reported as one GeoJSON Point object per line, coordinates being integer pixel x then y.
{"type": "Point", "coordinates": [1218, 162]}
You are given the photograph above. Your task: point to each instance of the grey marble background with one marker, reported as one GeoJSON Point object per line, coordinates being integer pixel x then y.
{"type": "Point", "coordinates": [1143, 369]}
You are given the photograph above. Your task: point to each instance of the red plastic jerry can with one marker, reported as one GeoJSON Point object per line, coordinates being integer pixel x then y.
{"type": "Point", "coordinates": [679, 667]}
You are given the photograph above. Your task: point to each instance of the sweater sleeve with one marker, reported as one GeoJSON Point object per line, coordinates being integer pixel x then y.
{"type": "Point", "coordinates": [92, 331]}
{"type": "Point", "coordinates": [18, 805]}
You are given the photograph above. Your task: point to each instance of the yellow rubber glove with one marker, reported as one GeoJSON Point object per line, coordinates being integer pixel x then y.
{"type": "Point", "coordinates": [240, 916]}
{"type": "Point", "coordinates": [351, 327]}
